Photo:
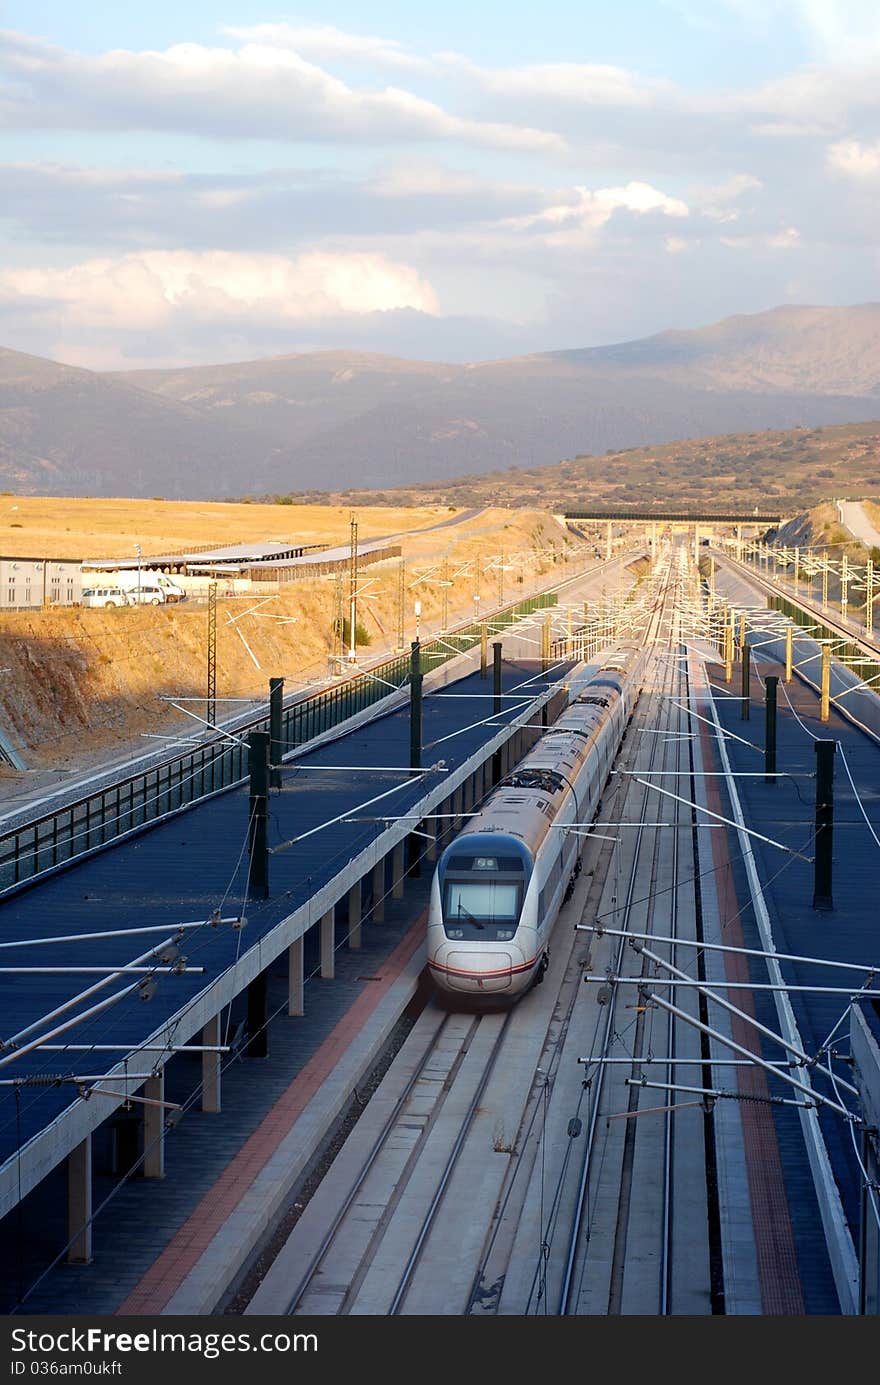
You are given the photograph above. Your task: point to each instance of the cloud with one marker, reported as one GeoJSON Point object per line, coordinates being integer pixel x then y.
{"type": "Point", "coordinates": [285, 208]}
{"type": "Point", "coordinates": [788, 238]}
{"type": "Point", "coordinates": [590, 210]}
{"type": "Point", "coordinates": [855, 159]}
{"type": "Point", "coordinates": [581, 84]}
{"type": "Point", "coordinates": [325, 42]}
{"type": "Point", "coordinates": [614, 116]}
{"type": "Point", "coordinates": [255, 91]}
{"type": "Point", "coordinates": [151, 290]}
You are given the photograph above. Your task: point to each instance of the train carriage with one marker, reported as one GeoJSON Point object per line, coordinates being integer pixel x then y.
{"type": "Point", "coordinates": [500, 884]}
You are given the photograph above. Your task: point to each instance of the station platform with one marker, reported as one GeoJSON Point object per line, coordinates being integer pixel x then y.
{"type": "Point", "coordinates": [146, 1237]}
{"type": "Point", "coordinates": [784, 812]}
{"type": "Point", "coordinates": [183, 870]}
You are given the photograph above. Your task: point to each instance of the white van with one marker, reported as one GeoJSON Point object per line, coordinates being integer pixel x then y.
{"type": "Point", "coordinates": [155, 588]}
{"type": "Point", "coordinates": [147, 594]}
{"type": "Point", "coordinates": [104, 596]}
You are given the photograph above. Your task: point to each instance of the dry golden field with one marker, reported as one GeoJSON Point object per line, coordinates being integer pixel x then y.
{"type": "Point", "coordinates": [41, 527]}
{"type": "Point", "coordinates": [84, 685]}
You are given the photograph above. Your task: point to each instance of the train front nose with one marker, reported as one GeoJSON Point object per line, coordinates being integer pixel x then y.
{"type": "Point", "coordinates": [487, 970]}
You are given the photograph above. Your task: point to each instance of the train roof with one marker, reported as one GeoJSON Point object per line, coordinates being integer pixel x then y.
{"type": "Point", "coordinates": [525, 803]}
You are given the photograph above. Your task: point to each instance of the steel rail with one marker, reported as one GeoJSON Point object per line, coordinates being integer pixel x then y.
{"type": "Point", "coordinates": [434, 1206]}
{"type": "Point", "coordinates": [565, 1295]}
{"type": "Point", "coordinates": [375, 1150]}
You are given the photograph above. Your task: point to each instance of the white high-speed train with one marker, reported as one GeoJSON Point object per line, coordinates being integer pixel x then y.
{"type": "Point", "coordinates": [499, 885]}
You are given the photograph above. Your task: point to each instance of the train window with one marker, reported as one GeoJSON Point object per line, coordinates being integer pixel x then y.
{"type": "Point", "coordinates": [486, 900]}
{"type": "Point", "coordinates": [481, 911]}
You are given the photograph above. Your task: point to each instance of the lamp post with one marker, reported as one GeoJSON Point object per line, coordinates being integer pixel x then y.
{"type": "Point", "coordinates": [137, 549]}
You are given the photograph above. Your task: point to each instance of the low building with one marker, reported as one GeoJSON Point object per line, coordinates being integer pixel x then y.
{"type": "Point", "coordinates": [35, 582]}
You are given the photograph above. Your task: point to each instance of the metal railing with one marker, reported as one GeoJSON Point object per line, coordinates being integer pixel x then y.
{"type": "Point", "coordinates": [844, 651]}
{"type": "Point", "coordinates": [34, 849]}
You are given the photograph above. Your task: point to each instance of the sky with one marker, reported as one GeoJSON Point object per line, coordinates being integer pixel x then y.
{"type": "Point", "coordinates": [219, 180]}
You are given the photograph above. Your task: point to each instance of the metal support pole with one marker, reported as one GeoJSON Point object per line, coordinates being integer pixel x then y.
{"type": "Point", "coordinates": [355, 911]}
{"type": "Point", "coordinates": [276, 750]}
{"type": "Point", "coordinates": [401, 605]}
{"type": "Point", "coordinates": [484, 650]}
{"type": "Point", "coordinates": [257, 1016]}
{"type": "Point", "coordinates": [328, 945]}
{"type": "Point", "coordinates": [211, 703]}
{"type": "Point", "coordinates": [415, 706]}
{"type": "Point", "coordinates": [728, 651]}
{"type": "Point", "coordinates": [352, 592]}
{"type": "Point", "coordinates": [869, 597]}
{"type": "Point", "coordinates": [825, 687]}
{"type": "Point", "coordinates": [496, 670]}
{"type": "Point", "coordinates": [414, 856]}
{"type": "Point", "coordinates": [79, 1203]}
{"type": "Point", "coordinates": [545, 644]}
{"type": "Point", "coordinates": [822, 897]}
{"type": "Point", "coordinates": [211, 1065]}
{"type": "Point", "coordinates": [398, 871]}
{"type": "Point", "coordinates": [430, 827]}
{"type": "Point", "coordinates": [746, 658]}
{"type": "Point", "coordinates": [154, 1127]}
{"type": "Point", "coordinates": [770, 685]}
{"type": "Point", "coordinates": [444, 584]}
{"type": "Point", "coordinates": [377, 913]}
{"type": "Point", "coordinates": [258, 762]}
{"type": "Point", "coordinates": [295, 978]}
{"type": "Point", "coordinates": [788, 635]}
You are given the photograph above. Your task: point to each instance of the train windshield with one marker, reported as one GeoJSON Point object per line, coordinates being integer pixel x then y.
{"type": "Point", "coordinates": [481, 909]}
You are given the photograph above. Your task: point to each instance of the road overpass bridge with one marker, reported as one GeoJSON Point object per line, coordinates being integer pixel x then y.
{"type": "Point", "coordinates": [654, 521]}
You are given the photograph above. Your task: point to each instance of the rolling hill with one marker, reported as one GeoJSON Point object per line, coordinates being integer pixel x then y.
{"type": "Point", "coordinates": [340, 419]}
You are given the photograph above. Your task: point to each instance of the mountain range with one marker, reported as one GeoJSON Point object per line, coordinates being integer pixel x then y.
{"type": "Point", "coordinates": [338, 419]}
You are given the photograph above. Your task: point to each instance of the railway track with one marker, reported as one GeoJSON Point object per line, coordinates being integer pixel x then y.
{"type": "Point", "coordinates": [459, 1191]}
{"type": "Point", "coordinates": [637, 1241]}
{"type": "Point", "coordinates": [617, 1221]}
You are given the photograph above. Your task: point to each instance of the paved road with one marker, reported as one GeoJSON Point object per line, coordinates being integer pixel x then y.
{"type": "Point", "coordinates": [854, 517]}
